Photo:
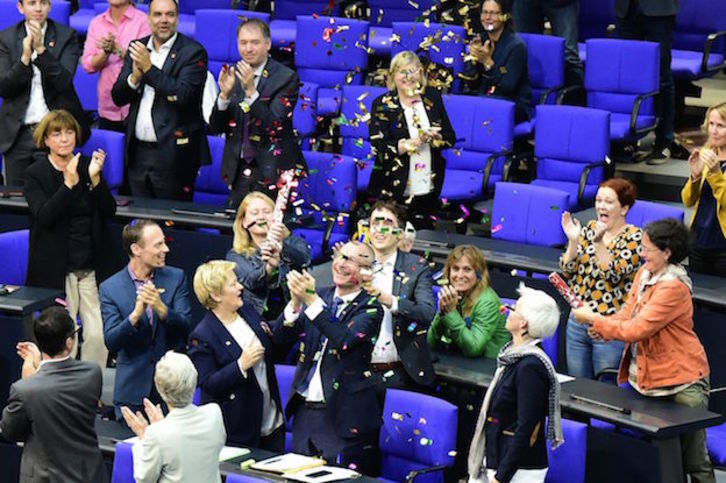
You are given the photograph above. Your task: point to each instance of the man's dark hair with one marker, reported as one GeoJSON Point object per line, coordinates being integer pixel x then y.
{"type": "Point", "coordinates": [176, 3]}
{"type": "Point", "coordinates": [51, 328]}
{"type": "Point", "coordinates": [255, 22]}
{"type": "Point", "coordinates": [672, 234]}
{"type": "Point", "coordinates": [132, 233]}
{"type": "Point", "coordinates": [398, 211]}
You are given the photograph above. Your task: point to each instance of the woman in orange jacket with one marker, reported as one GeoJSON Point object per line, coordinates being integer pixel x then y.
{"type": "Point", "coordinates": [663, 357]}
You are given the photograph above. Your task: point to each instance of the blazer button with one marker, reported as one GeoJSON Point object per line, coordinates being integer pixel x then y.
{"type": "Point", "coordinates": [226, 342]}
{"type": "Point", "coordinates": [231, 396]}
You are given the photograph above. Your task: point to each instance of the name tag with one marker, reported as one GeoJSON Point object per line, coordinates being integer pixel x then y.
{"type": "Point", "coordinates": [181, 141]}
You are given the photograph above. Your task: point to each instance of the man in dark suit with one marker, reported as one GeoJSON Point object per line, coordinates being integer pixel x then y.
{"type": "Point", "coordinates": [402, 284]}
{"type": "Point", "coordinates": [52, 409]}
{"type": "Point", "coordinates": [654, 20]}
{"type": "Point", "coordinates": [254, 110]}
{"type": "Point", "coordinates": [145, 307]}
{"type": "Point", "coordinates": [38, 59]}
{"type": "Point", "coordinates": [333, 396]}
{"type": "Point", "coordinates": [162, 80]}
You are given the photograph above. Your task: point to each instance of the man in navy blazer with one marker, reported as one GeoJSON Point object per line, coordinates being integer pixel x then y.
{"type": "Point", "coordinates": [162, 81]}
{"type": "Point", "coordinates": [142, 306]}
{"type": "Point", "coordinates": [333, 395]}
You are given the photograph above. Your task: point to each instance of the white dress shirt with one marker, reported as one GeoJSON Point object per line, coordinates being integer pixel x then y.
{"type": "Point", "coordinates": [314, 391]}
{"type": "Point", "coordinates": [144, 129]}
{"type": "Point", "coordinates": [420, 166]}
{"type": "Point", "coordinates": [37, 107]}
{"type": "Point", "coordinates": [245, 337]}
{"type": "Point", "coordinates": [385, 349]}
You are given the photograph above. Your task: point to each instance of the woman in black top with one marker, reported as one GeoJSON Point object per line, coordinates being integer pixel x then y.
{"type": "Point", "coordinates": [509, 439]}
{"type": "Point", "coordinates": [498, 61]}
{"type": "Point", "coordinates": [408, 130]}
{"type": "Point", "coordinates": [70, 247]}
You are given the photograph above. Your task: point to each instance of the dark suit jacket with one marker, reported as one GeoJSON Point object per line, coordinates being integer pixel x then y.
{"type": "Point", "coordinates": [49, 201]}
{"type": "Point", "coordinates": [177, 108]}
{"type": "Point", "coordinates": [387, 127]}
{"type": "Point", "coordinates": [139, 348]}
{"type": "Point", "coordinates": [651, 8]}
{"type": "Point", "coordinates": [412, 285]}
{"type": "Point", "coordinates": [57, 66]}
{"type": "Point", "coordinates": [270, 124]}
{"type": "Point", "coordinates": [350, 396]}
{"type": "Point", "coordinates": [54, 413]}
{"type": "Point", "coordinates": [215, 353]}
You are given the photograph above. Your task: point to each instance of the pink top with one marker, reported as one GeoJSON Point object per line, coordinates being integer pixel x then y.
{"type": "Point", "coordinates": [133, 25]}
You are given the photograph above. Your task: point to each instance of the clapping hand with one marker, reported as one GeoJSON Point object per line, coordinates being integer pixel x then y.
{"type": "Point", "coordinates": [107, 43]}
{"type": "Point", "coordinates": [141, 61]}
{"type": "Point", "coordinates": [27, 49]}
{"type": "Point", "coordinates": [246, 76]}
{"type": "Point", "coordinates": [70, 174]}
{"type": "Point", "coordinates": [30, 354]}
{"type": "Point", "coordinates": [710, 160]}
{"type": "Point", "coordinates": [302, 286]}
{"type": "Point", "coordinates": [95, 167]}
{"type": "Point", "coordinates": [251, 355]}
{"type": "Point", "coordinates": [696, 165]}
{"type": "Point", "coordinates": [37, 32]}
{"type": "Point", "coordinates": [137, 422]}
{"type": "Point", "coordinates": [448, 299]}
{"type": "Point", "coordinates": [600, 229]}
{"type": "Point", "coordinates": [571, 226]}
{"type": "Point", "coordinates": [226, 82]}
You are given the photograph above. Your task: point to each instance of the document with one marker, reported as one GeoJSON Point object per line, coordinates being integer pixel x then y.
{"type": "Point", "coordinates": [230, 452]}
{"type": "Point", "coordinates": [288, 463]}
{"type": "Point", "coordinates": [323, 474]}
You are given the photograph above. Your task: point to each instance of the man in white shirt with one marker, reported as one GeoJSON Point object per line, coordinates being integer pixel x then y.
{"type": "Point", "coordinates": [402, 284]}
{"type": "Point", "coordinates": [38, 59]}
{"type": "Point", "coordinates": [163, 80]}
{"type": "Point", "coordinates": [333, 396]}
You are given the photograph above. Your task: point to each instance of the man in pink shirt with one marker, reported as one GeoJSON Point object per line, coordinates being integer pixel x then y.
{"type": "Point", "coordinates": [109, 35]}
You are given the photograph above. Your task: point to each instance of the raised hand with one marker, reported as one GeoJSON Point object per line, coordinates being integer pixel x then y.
{"type": "Point", "coordinates": [246, 76]}
{"type": "Point", "coordinates": [70, 174]}
{"type": "Point", "coordinates": [136, 422]}
{"type": "Point", "coordinates": [251, 355]}
{"type": "Point", "coordinates": [710, 160]}
{"type": "Point", "coordinates": [37, 32]}
{"type": "Point", "coordinates": [27, 54]}
{"type": "Point", "coordinates": [225, 81]}
{"type": "Point", "coordinates": [448, 299]}
{"type": "Point", "coordinates": [141, 61]}
{"type": "Point", "coordinates": [95, 167]}
{"type": "Point", "coordinates": [571, 226]}
{"type": "Point", "coordinates": [154, 413]}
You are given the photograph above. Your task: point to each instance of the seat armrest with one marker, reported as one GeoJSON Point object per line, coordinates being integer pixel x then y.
{"type": "Point", "coordinates": [636, 111]}
{"type": "Point", "coordinates": [488, 168]}
{"type": "Point", "coordinates": [585, 174]}
{"type": "Point", "coordinates": [330, 223]}
{"type": "Point", "coordinates": [707, 52]}
{"type": "Point", "coordinates": [563, 91]}
{"type": "Point", "coordinates": [413, 474]}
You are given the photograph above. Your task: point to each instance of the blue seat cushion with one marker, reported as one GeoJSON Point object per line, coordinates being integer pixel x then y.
{"type": "Point", "coordinates": [328, 101]}
{"type": "Point", "coordinates": [282, 32]}
{"type": "Point", "coordinates": [620, 126]}
{"type": "Point", "coordinates": [461, 185]}
{"type": "Point", "coordinates": [686, 64]}
{"type": "Point", "coordinates": [569, 187]}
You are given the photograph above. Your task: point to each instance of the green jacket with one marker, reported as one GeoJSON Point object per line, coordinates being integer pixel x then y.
{"type": "Point", "coordinates": [485, 335]}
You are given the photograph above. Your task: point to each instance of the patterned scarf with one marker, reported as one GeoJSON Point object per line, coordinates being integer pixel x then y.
{"type": "Point", "coordinates": [508, 356]}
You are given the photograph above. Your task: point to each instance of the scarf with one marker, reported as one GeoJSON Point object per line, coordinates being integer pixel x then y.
{"type": "Point", "coordinates": [508, 356]}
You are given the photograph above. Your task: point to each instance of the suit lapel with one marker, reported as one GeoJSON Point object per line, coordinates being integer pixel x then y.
{"type": "Point", "coordinates": [50, 37]}
{"type": "Point", "coordinates": [267, 71]}
{"type": "Point", "coordinates": [397, 268]}
{"type": "Point", "coordinates": [130, 288]}
{"type": "Point", "coordinates": [19, 39]}
{"type": "Point", "coordinates": [224, 337]}
{"type": "Point", "coordinates": [173, 54]}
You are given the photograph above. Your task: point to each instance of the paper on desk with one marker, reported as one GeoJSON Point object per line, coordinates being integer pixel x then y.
{"type": "Point", "coordinates": [230, 452]}
{"type": "Point", "coordinates": [563, 378]}
{"type": "Point", "coordinates": [323, 474]}
{"type": "Point", "coordinates": [288, 463]}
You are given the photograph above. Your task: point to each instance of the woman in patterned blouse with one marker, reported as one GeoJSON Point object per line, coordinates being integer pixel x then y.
{"type": "Point", "coordinates": [599, 264]}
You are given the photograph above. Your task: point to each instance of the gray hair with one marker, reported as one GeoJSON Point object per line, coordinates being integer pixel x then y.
{"type": "Point", "coordinates": [176, 379]}
{"type": "Point", "coordinates": [539, 310]}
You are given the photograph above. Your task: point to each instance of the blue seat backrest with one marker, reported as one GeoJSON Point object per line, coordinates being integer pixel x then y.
{"type": "Point", "coordinates": [695, 20]}
{"type": "Point", "coordinates": [304, 116]}
{"type": "Point", "coordinates": [618, 70]}
{"type": "Point", "coordinates": [112, 143]}
{"type": "Point", "coordinates": [14, 257]}
{"type": "Point", "coordinates": [385, 12]}
{"type": "Point", "coordinates": [566, 135]}
{"type": "Point", "coordinates": [644, 212]}
{"type": "Point", "coordinates": [289, 9]}
{"type": "Point", "coordinates": [86, 86]}
{"type": "Point", "coordinates": [209, 188]}
{"type": "Point", "coordinates": [545, 62]}
{"type": "Point", "coordinates": [529, 214]}
{"type": "Point", "coordinates": [191, 6]}
{"type": "Point", "coordinates": [331, 43]}
{"type": "Point", "coordinates": [567, 462]}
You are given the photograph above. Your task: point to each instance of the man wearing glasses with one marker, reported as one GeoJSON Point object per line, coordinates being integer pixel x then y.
{"type": "Point", "coordinates": [333, 396]}
{"type": "Point", "coordinates": [52, 409]}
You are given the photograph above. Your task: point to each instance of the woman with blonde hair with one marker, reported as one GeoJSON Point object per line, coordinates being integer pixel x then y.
{"type": "Point", "coordinates": [469, 315]}
{"type": "Point", "coordinates": [408, 130]}
{"type": "Point", "coordinates": [706, 192]}
{"type": "Point", "coordinates": [262, 265]}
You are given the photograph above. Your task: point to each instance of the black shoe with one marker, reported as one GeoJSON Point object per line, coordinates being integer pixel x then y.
{"type": "Point", "coordinates": [659, 156]}
{"type": "Point", "coordinates": [679, 152]}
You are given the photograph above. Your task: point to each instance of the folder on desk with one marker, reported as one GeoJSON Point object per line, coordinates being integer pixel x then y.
{"type": "Point", "coordinates": [288, 463]}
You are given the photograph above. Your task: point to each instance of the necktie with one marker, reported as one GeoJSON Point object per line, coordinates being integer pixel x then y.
{"type": "Point", "coordinates": [337, 303]}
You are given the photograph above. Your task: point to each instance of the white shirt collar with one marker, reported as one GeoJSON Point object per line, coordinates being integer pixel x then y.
{"type": "Point", "coordinates": [347, 298]}
{"type": "Point", "coordinates": [46, 361]}
{"type": "Point", "coordinates": [165, 46]}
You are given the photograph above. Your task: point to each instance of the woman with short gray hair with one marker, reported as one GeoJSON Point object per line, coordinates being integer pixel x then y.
{"type": "Point", "coordinates": [184, 445]}
{"type": "Point", "coordinates": [509, 439]}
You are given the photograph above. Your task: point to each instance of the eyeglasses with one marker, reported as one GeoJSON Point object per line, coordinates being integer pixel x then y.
{"type": "Point", "coordinates": [645, 249]}
{"type": "Point", "coordinates": [490, 13]}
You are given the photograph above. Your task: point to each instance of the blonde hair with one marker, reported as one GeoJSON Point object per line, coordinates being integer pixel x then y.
{"type": "Point", "coordinates": [54, 121]}
{"type": "Point", "coordinates": [210, 279]}
{"type": "Point", "coordinates": [721, 110]}
{"type": "Point", "coordinates": [476, 258]}
{"type": "Point", "coordinates": [242, 242]}
{"type": "Point", "coordinates": [401, 60]}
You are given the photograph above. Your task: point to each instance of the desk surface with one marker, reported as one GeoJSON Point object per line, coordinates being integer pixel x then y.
{"type": "Point", "coordinates": [707, 289]}
{"type": "Point", "coordinates": [27, 300]}
{"type": "Point", "coordinates": [655, 418]}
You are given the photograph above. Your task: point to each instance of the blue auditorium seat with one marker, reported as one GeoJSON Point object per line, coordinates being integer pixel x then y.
{"type": "Point", "coordinates": [527, 213]}
{"type": "Point", "coordinates": [644, 212]}
{"type": "Point", "coordinates": [86, 86]}
{"type": "Point", "coordinates": [14, 257]}
{"type": "Point", "coordinates": [567, 463]}
{"type": "Point", "coordinates": [283, 27]}
{"type": "Point", "coordinates": [284, 374]}
{"type": "Point", "coordinates": [187, 10]}
{"type": "Point", "coordinates": [60, 12]}
{"type": "Point", "coordinates": [439, 43]}
{"type": "Point", "coordinates": [331, 52]}
{"type": "Point", "coordinates": [622, 76]}
{"type": "Point", "coordinates": [328, 194]}
{"type": "Point", "coordinates": [699, 39]}
{"type": "Point", "coordinates": [418, 434]}
{"type": "Point", "coordinates": [79, 21]}
{"type": "Point", "coordinates": [209, 188]}
{"type": "Point", "coordinates": [354, 120]}
{"type": "Point", "coordinates": [112, 143]}
{"type": "Point", "coordinates": [304, 116]}
{"type": "Point", "coordinates": [385, 12]}
{"type": "Point", "coordinates": [123, 464]}
{"type": "Point", "coordinates": [484, 129]}
{"type": "Point", "coordinates": [571, 146]}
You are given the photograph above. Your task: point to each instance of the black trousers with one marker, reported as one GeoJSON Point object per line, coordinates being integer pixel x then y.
{"type": "Point", "coordinates": [151, 176]}
{"type": "Point", "coordinates": [710, 262]}
{"type": "Point", "coordinates": [108, 125]}
{"type": "Point", "coordinates": [21, 154]}
{"type": "Point", "coordinates": [274, 441]}
{"type": "Point", "coordinates": [253, 176]}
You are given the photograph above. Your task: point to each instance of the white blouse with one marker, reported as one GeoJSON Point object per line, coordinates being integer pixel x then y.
{"type": "Point", "coordinates": [420, 166]}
